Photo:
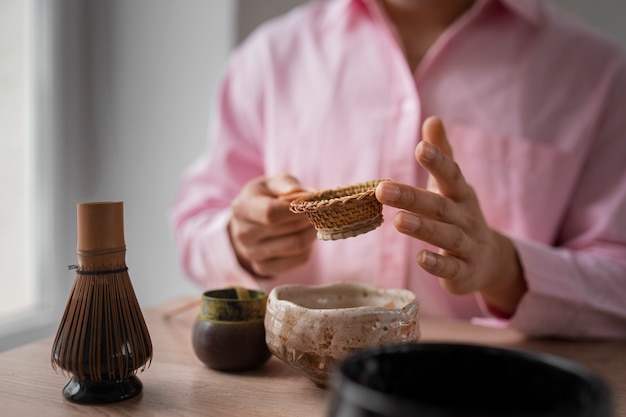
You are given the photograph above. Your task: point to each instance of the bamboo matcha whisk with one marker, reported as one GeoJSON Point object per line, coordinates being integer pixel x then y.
{"type": "Point", "coordinates": [102, 339]}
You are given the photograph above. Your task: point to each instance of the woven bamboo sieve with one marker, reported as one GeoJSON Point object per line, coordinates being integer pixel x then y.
{"type": "Point", "coordinates": [342, 212]}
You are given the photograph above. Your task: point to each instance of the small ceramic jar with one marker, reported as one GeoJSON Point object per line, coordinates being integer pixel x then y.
{"type": "Point", "coordinates": [229, 334]}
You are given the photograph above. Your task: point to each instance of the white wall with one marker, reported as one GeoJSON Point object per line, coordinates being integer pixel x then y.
{"type": "Point", "coordinates": [607, 15]}
{"type": "Point", "coordinates": [250, 13]}
{"type": "Point", "coordinates": [155, 64]}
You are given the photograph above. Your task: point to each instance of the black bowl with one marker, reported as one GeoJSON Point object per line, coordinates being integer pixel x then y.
{"type": "Point", "coordinates": [454, 380]}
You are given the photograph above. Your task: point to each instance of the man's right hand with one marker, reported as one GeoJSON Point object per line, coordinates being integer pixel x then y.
{"type": "Point", "coordinates": [268, 238]}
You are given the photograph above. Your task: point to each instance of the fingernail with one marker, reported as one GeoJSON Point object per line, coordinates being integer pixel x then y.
{"type": "Point", "coordinates": [428, 259]}
{"type": "Point", "coordinates": [388, 192]}
{"type": "Point", "coordinates": [409, 222]}
{"type": "Point", "coordinates": [428, 151]}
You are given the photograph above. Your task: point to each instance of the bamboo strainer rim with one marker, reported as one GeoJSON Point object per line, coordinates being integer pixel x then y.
{"type": "Point", "coordinates": [342, 212]}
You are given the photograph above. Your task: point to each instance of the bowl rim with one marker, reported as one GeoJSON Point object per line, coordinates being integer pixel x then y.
{"type": "Point", "coordinates": [352, 389]}
{"type": "Point", "coordinates": [413, 302]}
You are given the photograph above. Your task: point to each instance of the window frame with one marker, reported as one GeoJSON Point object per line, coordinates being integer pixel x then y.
{"type": "Point", "coordinates": [55, 96]}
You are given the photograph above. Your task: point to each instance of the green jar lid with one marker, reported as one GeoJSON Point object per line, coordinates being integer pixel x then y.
{"type": "Point", "coordinates": [233, 304]}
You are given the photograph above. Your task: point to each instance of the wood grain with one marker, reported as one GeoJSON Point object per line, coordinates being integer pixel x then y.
{"type": "Point", "coordinates": [178, 384]}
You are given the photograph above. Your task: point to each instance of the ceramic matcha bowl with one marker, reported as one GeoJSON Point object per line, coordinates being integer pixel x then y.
{"type": "Point", "coordinates": [312, 328]}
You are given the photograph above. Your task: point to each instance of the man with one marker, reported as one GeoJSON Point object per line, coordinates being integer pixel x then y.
{"type": "Point", "coordinates": [517, 201]}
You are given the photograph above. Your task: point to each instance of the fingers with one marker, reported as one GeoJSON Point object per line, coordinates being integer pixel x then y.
{"type": "Point", "coordinates": [262, 210]}
{"type": "Point", "coordinates": [453, 261]}
{"type": "Point", "coordinates": [451, 264]}
{"type": "Point", "coordinates": [434, 153]}
{"type": "Point", "coordinates": [434, 133]}
{"type": "Point", "coordinates": [257, 201]}
{"type": "Point", "coordinates": [268, 238]}
{"type": "Point", "coordinates": [445, 216]}
{"type": "Point", "coordinates": [451, 271]}
{"type": "Point", "coordinates": [275, 266]}
{"type": "Point", "coordinates": [449, 237]}
{"type": "Point", "coordinates": [282, 184]}
{"type": "Point", "coordinates": [251, 233]}
{"type": "Point", "coordinates": [471, 256]}
{"type": "Point", "coordinates": [425, 203]}
{"type": "Point", "coordinates": [275, 254]}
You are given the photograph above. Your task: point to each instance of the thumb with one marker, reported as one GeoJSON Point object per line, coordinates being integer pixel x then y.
{"type": "Point", "coordinates": [434, 133]}
{"type": "Point", "coordinates": [283, 184]}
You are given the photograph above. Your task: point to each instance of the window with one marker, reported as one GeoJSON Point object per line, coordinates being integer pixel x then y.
{"type": "Point", "coordinates": [77, 67]}
{"type": "Point", "coordinates": [32, 285]}
{"type": "Point", "coordinates": [17, 282]}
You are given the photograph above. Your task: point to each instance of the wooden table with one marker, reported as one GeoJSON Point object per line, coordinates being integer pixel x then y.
{"type": "Point", "coordinates": [178, 384]}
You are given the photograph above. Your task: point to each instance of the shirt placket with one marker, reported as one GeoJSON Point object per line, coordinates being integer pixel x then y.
{"type": "Point", "coordinates": [398, 163]}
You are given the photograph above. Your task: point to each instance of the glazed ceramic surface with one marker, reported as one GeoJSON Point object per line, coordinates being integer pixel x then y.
{"type": "Point", "coordinates": [228, 334]}
{"type": "Point", "coordinates": [312, 328]}
{"type": "Point", "coordinates": [421, 379]}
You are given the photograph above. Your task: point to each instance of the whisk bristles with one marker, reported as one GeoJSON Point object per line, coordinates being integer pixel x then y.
{"type": "Point", "coordinates": [102, 335]}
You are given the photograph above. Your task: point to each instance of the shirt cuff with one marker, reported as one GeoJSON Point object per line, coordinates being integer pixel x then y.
{"type": "Point", "coordinates": [543, 310]}
{"type": "Point", "coordinates": [496, 312]}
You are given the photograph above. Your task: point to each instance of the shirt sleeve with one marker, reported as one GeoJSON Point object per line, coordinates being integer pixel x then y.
{"type": "Point", "coordinates": [577, 288]}
{"type": "Point", "coordinates": [571, 294]}
{"type": "Point", "coordinates": [201, 209]}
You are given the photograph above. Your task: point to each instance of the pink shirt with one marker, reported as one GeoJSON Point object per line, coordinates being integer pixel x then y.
{"type": "Point", "coordinates": [535, 108]}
